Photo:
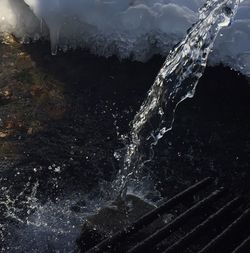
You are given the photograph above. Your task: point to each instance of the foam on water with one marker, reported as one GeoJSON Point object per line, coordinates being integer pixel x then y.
{"type": "Point", "coordinates": [126, 28]}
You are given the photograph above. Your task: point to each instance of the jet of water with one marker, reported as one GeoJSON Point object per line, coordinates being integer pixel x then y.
{"type": "Point", "coordinates": [176, 81]}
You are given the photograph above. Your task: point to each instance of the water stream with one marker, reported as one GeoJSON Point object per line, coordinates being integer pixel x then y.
{"type": "Point", "coordinates": [176, 81]}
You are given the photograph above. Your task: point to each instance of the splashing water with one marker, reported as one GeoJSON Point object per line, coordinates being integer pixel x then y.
{"type": "Point", "coordinates": [29, 225]}
{"type": "Point", "coordinates": [51, 223]}
{"type": "Point", "coordinates": [175, 82]}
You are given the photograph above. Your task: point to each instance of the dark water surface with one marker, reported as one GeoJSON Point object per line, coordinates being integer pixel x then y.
{"type": "Point", "coordinates": [62, 118]}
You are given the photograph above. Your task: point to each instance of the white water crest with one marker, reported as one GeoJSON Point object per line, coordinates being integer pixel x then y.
{"type": "Point", "coordinates": [175, 82]}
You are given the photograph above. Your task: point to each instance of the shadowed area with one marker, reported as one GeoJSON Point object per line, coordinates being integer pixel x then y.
{"type": "Point", "coordinates": [210, 135]}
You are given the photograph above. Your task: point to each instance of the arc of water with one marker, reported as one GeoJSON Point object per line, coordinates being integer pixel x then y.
{"type": "Point", "coordinates": [175, 82]}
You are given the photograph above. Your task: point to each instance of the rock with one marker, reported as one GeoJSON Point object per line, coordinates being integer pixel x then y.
{"type": "Point", "coordinates": [4, 134]}
{"type": "Point", "coordinates": [111, 219]}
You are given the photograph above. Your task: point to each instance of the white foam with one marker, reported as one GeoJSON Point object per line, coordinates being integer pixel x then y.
{"type": "Point", "coordinates": [126, 28]}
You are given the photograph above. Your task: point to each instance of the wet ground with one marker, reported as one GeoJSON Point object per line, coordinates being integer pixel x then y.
{"type": "Point", "coordinates": [61, 119]}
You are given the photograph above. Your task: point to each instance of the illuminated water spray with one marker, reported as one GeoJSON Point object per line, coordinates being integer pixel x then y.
{"type": "Point", "coordinates": [175, 82]}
